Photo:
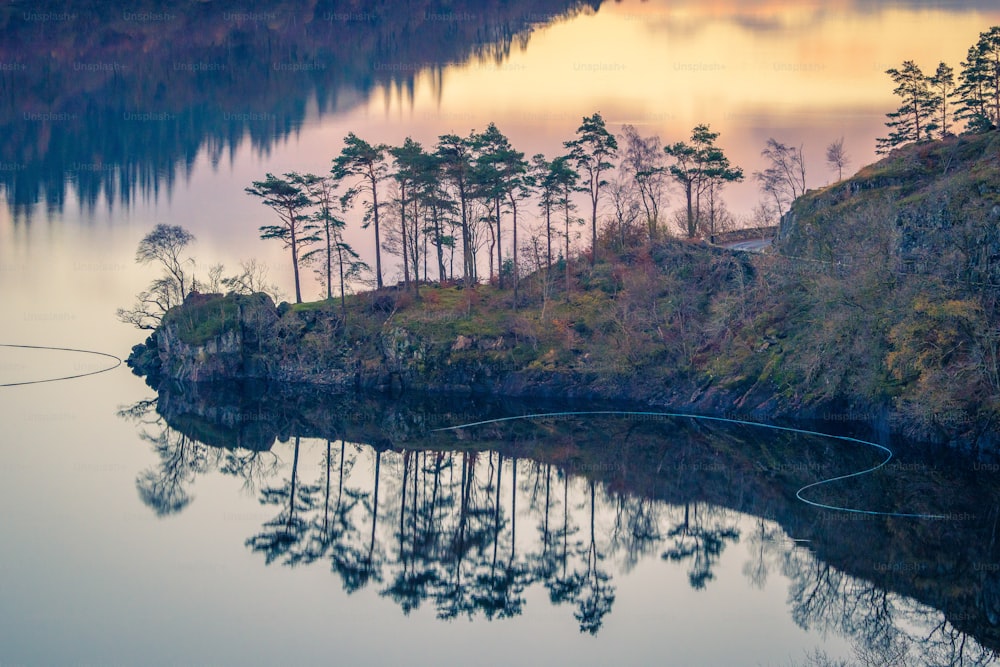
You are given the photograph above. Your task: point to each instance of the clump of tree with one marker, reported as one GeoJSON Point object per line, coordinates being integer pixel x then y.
{"type": "Point", "coordinates": [913, 120]}
{"type": "Point", "coordinates": [933, 103]}
{"type": "Point", "coordinates": [701, 169]}
{"type": "Point", "coordinates": [166, 246]}
{"type": "Point", "coordinates": [467, 196]}
{"type": "Point", "coordinates": [979, 83]}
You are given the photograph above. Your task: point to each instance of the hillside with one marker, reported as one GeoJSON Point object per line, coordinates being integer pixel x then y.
{"type": "Point", "coordinates": [877, 305]}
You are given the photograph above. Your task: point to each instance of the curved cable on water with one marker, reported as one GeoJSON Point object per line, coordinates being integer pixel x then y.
{"type": "Point", "coordinates": [118, 362]}
{"type": "Point", "coordinates": [790, 429]}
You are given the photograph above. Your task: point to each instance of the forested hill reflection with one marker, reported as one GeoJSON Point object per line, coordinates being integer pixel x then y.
{"type": "Point", "coordinates": [119, 100]}
{"type": "Point", "coordinates": [467, 521]}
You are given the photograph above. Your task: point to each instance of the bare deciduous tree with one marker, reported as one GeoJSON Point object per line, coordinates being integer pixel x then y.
{"type": "Point", "coordinates": [837, 157]}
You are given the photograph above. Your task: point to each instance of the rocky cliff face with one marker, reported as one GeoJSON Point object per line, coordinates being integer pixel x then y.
{"type": "Point", "coordinates": [257, 341]}
{"type": "Point", "coordinates": [937, 204]}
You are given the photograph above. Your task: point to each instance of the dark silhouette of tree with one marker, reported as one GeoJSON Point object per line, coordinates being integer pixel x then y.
{"type": "Point", "coordinates": [252, 279]}
{"type": "Point", "coordinates": [913, 120]}
{"type": "Point", "coordinates": [979, 83]}
{"type": "Point", "coordinates": [164, 488]}
{"type": "Point", "coordinates": [438, 208]}
{"type": "Point", "coordinates": [597, 595]}
{"type": "Point", "coordinates": [455, 599]}
{"type": "Point", "coordinates": [416, 175]}
{"type": "Point", "coordinates": [290, 201]}
{"type": "Point", "coordinates": [698, 166]}
{"type": "Point", "coordinates": [943, 86]}
{"type": "Point", "coordinates": [702, 542]}
{"type": "Point", "coordinates": [545, 562]}
{"type": "Point", "coordinates": [565, 585]}
{"type": "Point", "coordinates": [636, 529]}
{"type": "Point", "coordinates": [285, 532]}
{"type": "Point", "coordinates": [625, 210]}
{"type": "Point", "coordinates": [412, 583]}
{"type": "Point", "coordinates": [407, 165]}
{"type": "Point", "coordinates": [164, 245]}
{"type": "Point", "coordinates": [548, 191]}
{"type": "Point", "coordinates": [334, 251]}
{"type": "Point", "coordinates": [500, 176]}
{"type": "Point", "coordinates": [497, 590]}
{"type": "Point", "coordinates": [564, 180]}
{"type": "Point", "coordinates": [360, 159]}
{"type": "Point", "coordinates": [765, 550]}
{"type": "Point", "coordinates": [456, 159]}
{"type": "Point", "coordinates": [518, 187]}
{"type": "Point", "coordinates": [329, 527]}
{"type": "Point", "coordinates": [592, 152]}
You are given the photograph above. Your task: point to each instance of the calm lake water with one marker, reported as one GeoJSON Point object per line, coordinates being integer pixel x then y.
{"type": "Point", "coordinates": [224, 527]}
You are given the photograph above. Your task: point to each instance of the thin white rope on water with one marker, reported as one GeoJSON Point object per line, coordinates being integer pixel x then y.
{"type": "Point", "coordinates": [118, 362]}
{"type": "Point", "coordinates": [789, 429]}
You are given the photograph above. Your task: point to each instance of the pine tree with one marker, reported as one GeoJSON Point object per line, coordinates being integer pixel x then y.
{"type": "Point", "coordinates": [698, 167]}
{"type": "Point", "coordinates": [913, 121]}
{"type": "Point", "coordinates": [943, 86]}
{"type": "Point", "coordinates": [979, 83]}
{"type": "Point", "coordinates": [592, 152]}
{"type": "Point", "coordinates": [290, 201]}
{"type": "Point", "coordinates": [359, 158]}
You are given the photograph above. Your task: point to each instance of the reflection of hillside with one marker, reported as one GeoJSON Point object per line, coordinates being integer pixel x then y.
{"type": "Point", "coordinates": [120, 101]}
{"type": "Point", "coordinates": [444, 518]}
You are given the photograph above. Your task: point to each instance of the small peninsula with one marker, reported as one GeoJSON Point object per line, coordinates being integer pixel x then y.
{"type": "Point", "coordinates": [877, 303]}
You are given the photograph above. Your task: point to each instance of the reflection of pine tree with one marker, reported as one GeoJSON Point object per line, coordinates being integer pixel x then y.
{"type": "Point", "coordinates": [702, 538]}
{"type": "Point", "coordinates": [563, 585]}
{"type": "Point", "coordinates": [636, 528]}
{"type": "Point", "coordinates": [499, 591]}
{"type": "Point", "coordinates": [284, 532]}
{"type": "Point", "coordinates": [597, 592]}
{"type": "Point", "coordinates": [545, 562]}
{"type": "Point", "coordinates": [438, 526]}
{"type": "Point", "coordinates": [330, 527]}
{"type": "Point", "coordinates": [453, 599]}
{"type": "Point", "coordinates": [414, 580]}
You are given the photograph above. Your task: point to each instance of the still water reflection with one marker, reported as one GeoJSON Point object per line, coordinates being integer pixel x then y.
{"type": "Point", "coordinates": [125, 113]}
{"type": "Point", "coordinates": [476, 523]}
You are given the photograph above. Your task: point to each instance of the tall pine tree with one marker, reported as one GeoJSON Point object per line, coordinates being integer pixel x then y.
{"type": "Point", "coordinates": [979, 83]}
{"type": "Point", "coordinates": [943, 87]}
{"type": "Point", "coordinates": [914, 120]}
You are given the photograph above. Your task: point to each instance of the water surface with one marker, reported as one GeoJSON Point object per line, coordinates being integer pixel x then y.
{"type": "Point", "coordinates": [171, 534]}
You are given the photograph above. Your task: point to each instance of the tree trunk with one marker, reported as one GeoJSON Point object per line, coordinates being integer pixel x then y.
{"type": "Point", "coordinates": [378, 239]}
{"type": "Point", "coordinates": [403, 232]}
{"type": "Point", "coordinates": [692, 227]}
{"type": "Point", "coordinates": [496, 203]}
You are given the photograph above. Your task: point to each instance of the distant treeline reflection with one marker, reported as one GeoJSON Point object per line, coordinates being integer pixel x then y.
{"type": "Point", "coordinates": [125, 112]}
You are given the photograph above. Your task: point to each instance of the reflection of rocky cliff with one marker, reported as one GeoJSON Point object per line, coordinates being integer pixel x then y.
{"type": "Point", "coordinates": [432, 516]}
{"type": "Point", "coordinates": [120, 100]}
